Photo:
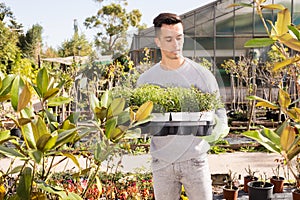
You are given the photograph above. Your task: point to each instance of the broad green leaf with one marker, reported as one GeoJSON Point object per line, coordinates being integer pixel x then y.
{"type": "Point", "coordinates": [64, 137]}
{"type": "Point", "coordinates": [16, 88]}
{"type": "Point", "coordinates": [42, 81]}
{"type": "Point", "coordinates": [73, 117]}
{"type": "Point", "coordinates": [9, 152]}
{"type": "Point", "coordinates": [4, 135]}
{"type": "Point", "coordinates": [283, 21]}
{"type": "Point", "coordinates": [106, 99]}
{"type": "Point", "coordinates": [110, 126]}
{"type": "Point", "coordinates": [284, 99]}
{"type": "Point", "coordinates": [6, 84]}
{"type": "Point", "coordinates": [36, 155]}
{"type": "Point", "coordinates": [42, 141]}
{"type": "Point", "coordinates": [273, 6]}
{"type": "Point", "coordinates": [29, 135]}
{"type": "Point", "coordinates": [50, 93]}
{"type": "Point", "coordinates": [287, 138]}
{"type": "Point", "coordinates": [144, 111]}
{"type": "Point", "coordinates": [51, 117]}
{"type": "Point", "coordinates": [123, 117]}
{"type": "Point", "coordinates": [133, 134]}
{"type": "Point", "coordinates": [256, 135]}
{"type": "Point", "coordinates": [116, 134]}
{"type": "Point", "coordinates": [116, 107]}
{"type": "Point", "coordinates": [100, 113]}
{"type": "Point", "coordinates": [259, 42]}
{"type": "Point", "coordinates": [16, 169]}
{"type": "Point", "coordinates": [24, 98]}
{"type": "Point", "coordinates": [272, 136]}
{"type": "Point", "coordinates": [288, 40]}
{"type": "Point", "coordinates": [58, 101]}
{"type": "Point", "coordinates": [50, 143]}
{"type": "Point", "coordinates": [294, 32]}
{"type": "Point", "coordinates": [58, 191]}
{"type": "Point", "coordinates": [73, 158]}
{"type": "Point", "coordinates": [24, 186]}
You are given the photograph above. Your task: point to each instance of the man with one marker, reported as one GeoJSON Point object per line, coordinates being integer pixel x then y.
{"type": "Point", "coordinates": [180, 159]}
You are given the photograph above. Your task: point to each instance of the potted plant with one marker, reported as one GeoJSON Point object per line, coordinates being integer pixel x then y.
{"type": "Point", "coordinates": [175, 107]}
{"type": "Point", "coordinates": [249, 177]}
{"type": "Point", "coordinates": [230, 190]}
{"type": "Point", "coordinates": [277, 180]}
{"type": "Point", "coordinates": [260, 190]}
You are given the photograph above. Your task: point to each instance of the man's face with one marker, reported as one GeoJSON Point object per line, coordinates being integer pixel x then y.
{"type": "Point", "coordinates": [170, 40]}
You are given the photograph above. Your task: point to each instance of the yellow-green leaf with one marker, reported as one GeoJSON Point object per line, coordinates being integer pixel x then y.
{"type": "Point", "coordinates": [144, 111]}
{"type": "Point", "coordinates": [288, 40]}
{"type": "Point", "coordinates": [287, 138]}
{"type": "Point", "coordinates": [73, 158]}
{"type": "Point", "coordinates": [259, 42]}
{"type": "Point", "coordinates": [116, 107]}
{"type": "Point", "coordinates": [24, 98]}
{"type": "Point", "coordinates": [267, 105]}
{"type": "Point", "coordinates": [284, 99]}
{"type": "Point", "coordinates": [23, 121]}
{"type": "Point", "coordinates": [42, 141]}
{"type": "Point", "coordinates": [50, 93]}
{"type": "Point", "coordinates": [283, 21]}
{"type": "Point", "coordinates": [286, 62]}
{"type": "Point", "coordinates": [273, 6]}
{"type": "Point", "coordinates": [42, 80]}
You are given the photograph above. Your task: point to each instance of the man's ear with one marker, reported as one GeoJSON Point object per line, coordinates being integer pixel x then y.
{"type": "Point", "coordinates": [157, 42]}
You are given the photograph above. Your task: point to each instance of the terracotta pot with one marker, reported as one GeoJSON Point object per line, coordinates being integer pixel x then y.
{"type": "Point", "coordinates": [248, 179]}
{"type": "Point", "coordinates": [278, 184]}
{"type": "Point", "coordinates": [296, 194]}
{"type": "Point", "coordinates": [259, 190]}
{"type": "Point", "coordinates": [230, 194]}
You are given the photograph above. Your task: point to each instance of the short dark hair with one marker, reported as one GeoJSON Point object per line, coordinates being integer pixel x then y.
{"type": "Point", "coordinates": [165, 18]}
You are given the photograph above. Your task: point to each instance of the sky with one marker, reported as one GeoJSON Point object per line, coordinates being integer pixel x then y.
{"type": "Point", "coordinates": [57, 16]}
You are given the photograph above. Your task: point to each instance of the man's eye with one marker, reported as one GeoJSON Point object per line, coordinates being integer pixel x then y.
{"type": "Point", "coordinates": [168, 40]}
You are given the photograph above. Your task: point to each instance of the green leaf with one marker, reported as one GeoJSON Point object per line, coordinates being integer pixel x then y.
{"type": "Point", "coordinates": [9, 152]}
{"type": "Point", "coordinates": [58, 191]}
{"type": "Point", "coordinates": [256, 135]}
{"type": "Point", "coordinates": [65, 136]}
{"type": "Point", "coordinates": [110, 126]}
{"type": "Point", "coordinates": [50, 93]}
{"type": "Point", "coordinates": [42, 81]}
{"type": "Point", "coordinates": [17, 86]}
{"type": "Point", "coordinates": [73, 158]}
{"type": "Point", "coordinates": [58, 101]}
{"type": "Point", "coordinates": [24, 186]}
{"type": "Point", "coordinates": [6, 84]}
{"type": "Point", "coordinates": [36, 155]}
{"type": "Point", "coordinates": [259, 42]}
{"type": "Point", "coordinates": [144, 111]}
{"type": "Point", "coordinates": [106, 99]}
{"type": "Point", "coordinates": [42, 141]}
{"type": "Point", "coordinates": [284, 99]}
{"type": "Point", "coordinates": [116, 107]}
{"type": "Point", "coordinates": [4, 135]}
{"type": "Point", "coordinates": [295, 31]}
{"type": "Point", "coordinates": [50, 143]}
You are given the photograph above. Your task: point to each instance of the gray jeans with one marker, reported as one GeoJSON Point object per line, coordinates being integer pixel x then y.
{"type": "Point", "coordinates": [193, 174]}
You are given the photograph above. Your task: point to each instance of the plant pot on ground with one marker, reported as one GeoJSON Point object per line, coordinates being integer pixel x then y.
{"type": "Point", "coordinates": [260, 190]}
{"type": "Point", "coordinates": [231, 190]}
{"type": "Point", "coordinates": [277, 180]}
{"type": "Point", "coordinates": [296, 194]}
{"type": "Point", "coordinates": [249, 177]}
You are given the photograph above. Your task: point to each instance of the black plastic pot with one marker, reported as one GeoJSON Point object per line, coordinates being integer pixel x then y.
{"type": "Point", "coordinates": [259, 190]}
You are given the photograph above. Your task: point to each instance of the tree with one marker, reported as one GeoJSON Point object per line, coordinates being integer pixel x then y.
{"type": "Point", "coordinates": [31, 42]}
{"type": "Point", "coordinates": [113, 22]}
{"type": "Point", "coordinates": [7, 15]}
{"type": "Point", "coordinates": [78, 45]}
{"type": "Point", "coordinates": [9, 52]}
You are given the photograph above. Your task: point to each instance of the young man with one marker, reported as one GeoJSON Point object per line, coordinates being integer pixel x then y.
{"type": "Point", "coordinates": [179, 159]}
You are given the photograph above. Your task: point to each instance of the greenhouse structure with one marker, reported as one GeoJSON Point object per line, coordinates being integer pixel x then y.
{"type": "Point", "coordinates": [218, 32]}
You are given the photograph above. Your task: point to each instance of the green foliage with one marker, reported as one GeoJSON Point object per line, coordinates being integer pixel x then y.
{"type": "Point", "coordinates": [172, 99]}
{"type": "Point", "coordinates": [78, 45]}
{"type": "Point", "coordinates": [113, 21]}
